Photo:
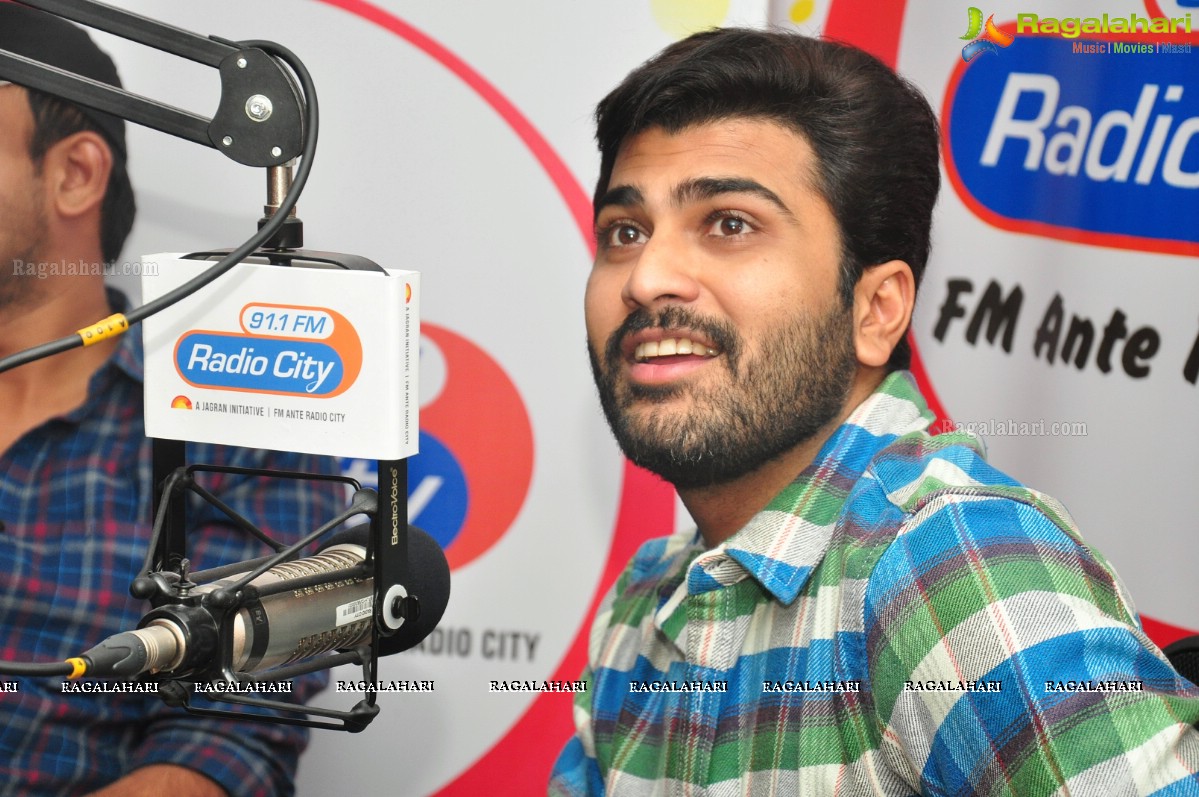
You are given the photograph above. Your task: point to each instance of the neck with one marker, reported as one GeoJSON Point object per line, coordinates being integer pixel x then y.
{"type": "Point", "coordinates": [720, 511]}
{"type": "Point", "coordinates": [37, 391]}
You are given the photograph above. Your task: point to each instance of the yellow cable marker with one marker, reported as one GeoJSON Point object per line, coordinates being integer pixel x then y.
{"type": "Point", "coordinates": [80, 667]}
{"type": "Point", "coordinates": [104, 329]}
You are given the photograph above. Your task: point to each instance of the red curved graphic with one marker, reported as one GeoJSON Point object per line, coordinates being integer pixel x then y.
{"type": "Point", "coordinates": [868, 24]}
{"type": "Point", "coordinates": [503, 434]}
{"type": "Point", "coordinates": [1155, 10]}
{"type": "Point", "coordinates": [568, 188]}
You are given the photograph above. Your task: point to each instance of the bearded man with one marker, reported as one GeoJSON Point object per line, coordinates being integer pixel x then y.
{"type": "Point", "coordinates": [863, 608]}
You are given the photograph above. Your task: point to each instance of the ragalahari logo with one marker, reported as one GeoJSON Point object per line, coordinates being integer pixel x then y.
{"type": "Point", "coordinates": [991, 36]}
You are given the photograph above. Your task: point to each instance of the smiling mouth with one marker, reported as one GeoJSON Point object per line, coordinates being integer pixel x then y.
{"type": "Point", "coordinates": [671, 347]}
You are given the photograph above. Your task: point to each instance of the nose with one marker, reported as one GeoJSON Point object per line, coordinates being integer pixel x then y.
{"type": "Point", "coordinates": [662, 273]}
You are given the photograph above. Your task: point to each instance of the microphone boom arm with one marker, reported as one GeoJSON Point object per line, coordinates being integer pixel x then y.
{"type": "Point", "coordinates": [259, 120]}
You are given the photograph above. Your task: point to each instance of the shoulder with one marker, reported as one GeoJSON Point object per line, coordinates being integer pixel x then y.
{"type": "Point", "coordinates": [955, 520]}
{"type": "Point", "coordinates": [944, 480]}
{"type": "Point", "coordinates": [969, 542]}
{"type": "Point", "coordinates": [917, 467]}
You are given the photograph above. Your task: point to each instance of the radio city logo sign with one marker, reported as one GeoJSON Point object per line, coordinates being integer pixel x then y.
{"type": "Point", "coordinates": [285, 350]}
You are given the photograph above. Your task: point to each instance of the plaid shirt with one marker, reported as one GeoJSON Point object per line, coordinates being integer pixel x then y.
{"type": "Point", "coordinates": [901, 619]}
{"type": "Point", "coordinates": [75, 503]}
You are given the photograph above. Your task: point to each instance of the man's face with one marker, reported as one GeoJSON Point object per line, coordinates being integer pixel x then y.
{"type": "Point", "coordinates": [22, 197]}
{"type": "Point", "coordinates": [718, 340]}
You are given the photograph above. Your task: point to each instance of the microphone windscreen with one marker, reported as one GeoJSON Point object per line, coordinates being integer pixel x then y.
{"type": "Point", "coordinates": [428, 580]}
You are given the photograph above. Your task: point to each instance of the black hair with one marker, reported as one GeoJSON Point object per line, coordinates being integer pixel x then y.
{"type": "Point", "coordinates": [54, 120]}
{"type": "Point", "coordinates": [874, 135]}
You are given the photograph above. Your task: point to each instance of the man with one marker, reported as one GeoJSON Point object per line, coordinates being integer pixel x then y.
{"type": "Point", "coordinates": [75, 479]}
{"type": "Point", "coordinates": [864, 609]}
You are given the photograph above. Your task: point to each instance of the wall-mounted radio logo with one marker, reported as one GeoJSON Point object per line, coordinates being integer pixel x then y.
{"type": "Point", "coordinates": [282, 349]}
{"type": "Point", "coordinates": [181, 403]}
{"type": "Point", "coordinates": [1100, 150]}
{"type": "Point", "coordinates": [991, 38]}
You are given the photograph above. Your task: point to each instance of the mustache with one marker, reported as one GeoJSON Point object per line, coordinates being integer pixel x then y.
{"type": "Point", "coordinates": [720, 333]}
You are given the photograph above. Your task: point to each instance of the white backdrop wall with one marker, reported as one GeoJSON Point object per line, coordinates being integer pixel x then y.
{"type": "Point", "coordinates": [456, 140]}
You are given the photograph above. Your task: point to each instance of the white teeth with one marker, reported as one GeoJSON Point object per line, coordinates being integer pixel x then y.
{"type": "Point", "coordinates": [665, 348]}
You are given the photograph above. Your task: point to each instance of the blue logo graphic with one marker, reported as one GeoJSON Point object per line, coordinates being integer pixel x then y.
{"type": "Point", "coordinates": [260, 365]}
{"type": "Point", "coordinates": [1101, 148]}
{"type": "Point", "coordinates": [438, 495]}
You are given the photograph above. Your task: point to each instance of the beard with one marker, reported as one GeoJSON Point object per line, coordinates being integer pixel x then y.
{"type": "Point", "coordinates": [769, 403]}
{"type": "Point", "coordinates": [20, 245]}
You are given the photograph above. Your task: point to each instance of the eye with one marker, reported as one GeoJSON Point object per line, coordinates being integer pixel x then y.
{"type": "Point", "coordinates": [621, 233]}
{"type": "Point", "coordinates": [728, 224]}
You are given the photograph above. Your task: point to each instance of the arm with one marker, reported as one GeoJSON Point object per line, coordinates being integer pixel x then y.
{"type": "Point", "coordinates": [584, 765]}
{"type": "Point", "coordinates": [998, 588]}
{"type": "Point", "coordinates": [576, 772]}
{"type": "Point", "coordinates": [159, 779]}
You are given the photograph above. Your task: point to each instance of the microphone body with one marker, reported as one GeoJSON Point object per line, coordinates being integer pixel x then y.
{"type": "Point", "coordinates": [284, 627]}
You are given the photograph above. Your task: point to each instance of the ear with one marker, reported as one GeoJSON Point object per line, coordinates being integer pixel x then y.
{"type": "Point", "coordinates": [882, 310]}
{"type": "Point", "coordinates": [76, 171]}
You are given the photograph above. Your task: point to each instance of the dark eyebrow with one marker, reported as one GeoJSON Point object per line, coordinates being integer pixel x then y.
{"type": "Point", "coordinates": [702, 188]}
{"type": "Point", "coordinates": [695, 190]}
{"type": "Point", "coordinates": [623, 195]}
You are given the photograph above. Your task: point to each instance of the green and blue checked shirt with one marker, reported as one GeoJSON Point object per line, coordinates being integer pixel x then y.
{"type": "Point", "coordinates": [902, 619]}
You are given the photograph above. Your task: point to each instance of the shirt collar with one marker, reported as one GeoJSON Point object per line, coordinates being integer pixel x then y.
{"type": "Point", "coordinates": [783, 544]}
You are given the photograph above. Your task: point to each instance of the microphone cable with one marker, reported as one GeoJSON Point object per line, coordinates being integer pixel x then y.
{"type": "Point", "coordinates": [44, 670]}
{"type": "Point", "coordinates": [118, 324]}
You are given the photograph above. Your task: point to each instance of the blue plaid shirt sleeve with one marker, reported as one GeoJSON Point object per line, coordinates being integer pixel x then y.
{"type": "Point", "coordinates": [75, 510]}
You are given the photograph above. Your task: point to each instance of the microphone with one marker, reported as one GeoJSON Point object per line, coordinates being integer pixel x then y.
{"type": "Point", "coordinates": [284, 627]}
